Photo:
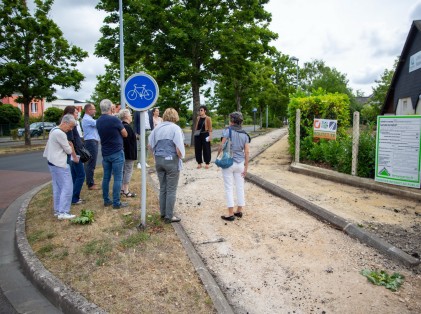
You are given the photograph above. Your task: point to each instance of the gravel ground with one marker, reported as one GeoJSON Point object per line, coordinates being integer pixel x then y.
{"type": "Point", "coordinates": [278, 259]}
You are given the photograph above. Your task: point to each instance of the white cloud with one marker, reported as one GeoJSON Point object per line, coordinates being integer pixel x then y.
{"type": "Point", "coordinates": [359, 38]}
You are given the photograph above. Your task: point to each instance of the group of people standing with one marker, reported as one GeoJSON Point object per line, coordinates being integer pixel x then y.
{"type": "Point", "coordinates": [119, 152]}
{"type": "Point", "coordinates": [118, 148]}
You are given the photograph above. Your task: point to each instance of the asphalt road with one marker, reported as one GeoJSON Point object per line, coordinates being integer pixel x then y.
{"type": "Point", "coordinates": [18, 174]}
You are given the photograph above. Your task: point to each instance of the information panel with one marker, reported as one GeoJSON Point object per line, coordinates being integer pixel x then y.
{"type": "Point", "coordinates": [398, 150]}
{"type": "Point", "coordinates": [324, 128]}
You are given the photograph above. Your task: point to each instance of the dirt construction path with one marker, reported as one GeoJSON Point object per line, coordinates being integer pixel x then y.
{"type": "Point", "coordinates": [279, 259]}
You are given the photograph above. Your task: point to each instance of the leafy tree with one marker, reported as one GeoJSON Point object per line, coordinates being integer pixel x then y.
{"type": "Point", "coordinates": [9, 114]}
{"type": "Point", "coordinates": [242, 49]}
{"type": "Point", "coordinates": [183, 41]}
{"type": "Point", "coordinates": [53, 114]}
{"type": "Point", "coordinates": [317, 74]}
{"type": "Point", "coordinates": [171, 94]}
{"type": "Point", "coordinates": [379, 94]}
{"type": "Point", "coordinates": [34, 55]}
{"type": "Point", "coordinates": [9, 117]}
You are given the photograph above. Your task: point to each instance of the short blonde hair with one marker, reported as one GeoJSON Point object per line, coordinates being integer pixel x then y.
{"type": "Point", "coordinates": [171, 115]}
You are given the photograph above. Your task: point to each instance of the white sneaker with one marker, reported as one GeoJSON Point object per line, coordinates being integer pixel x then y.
{"type": "Point", "coordinates": [66, 216]}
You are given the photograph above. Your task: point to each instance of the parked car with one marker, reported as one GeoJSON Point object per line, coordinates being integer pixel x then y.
{"type": "Point", "coordinates": [36, 128]}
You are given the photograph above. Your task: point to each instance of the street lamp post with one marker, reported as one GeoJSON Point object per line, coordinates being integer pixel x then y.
{"type": "Point", "coordinates": [295, 59]}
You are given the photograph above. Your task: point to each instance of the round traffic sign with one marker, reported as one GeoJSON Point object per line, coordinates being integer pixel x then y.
{"type": "Point", "coordinates": [141, 91]}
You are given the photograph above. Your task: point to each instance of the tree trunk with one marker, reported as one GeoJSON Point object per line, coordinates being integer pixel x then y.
{"type": "Point", "coordinates": [27, 133]}
{"type": "Point", "coordinates": [238, 100]}
{"type": "Point", "coordinates": [196, 105]}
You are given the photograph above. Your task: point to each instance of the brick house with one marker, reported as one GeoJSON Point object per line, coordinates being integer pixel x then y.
{"type": "Point", "coordinates": [36, 107]}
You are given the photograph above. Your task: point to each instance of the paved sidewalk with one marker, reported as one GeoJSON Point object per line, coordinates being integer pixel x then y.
{"type": "Point", "coordinates": [23, 296]}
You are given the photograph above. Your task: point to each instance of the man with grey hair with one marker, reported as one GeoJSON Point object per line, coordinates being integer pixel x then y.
{"type": "Point", "coordinates": [111, 132]}
{"type": "Point", "coordinates": [56, 152]}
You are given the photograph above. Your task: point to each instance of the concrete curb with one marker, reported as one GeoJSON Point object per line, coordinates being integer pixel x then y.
{"type": "Point", "coordinates": [219, 300]}
{"type": "Point", "coordinates": [64, 298]}
{"type": "Point", "coordinates": [338, 222]}
{"type": "Point", "coordinates": [355, 181]}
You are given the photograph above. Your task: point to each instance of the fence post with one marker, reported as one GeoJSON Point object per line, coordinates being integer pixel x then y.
{"type": "Point", "coordinates": [297, 135]}
{"type": "Point", "coordinates": [355, 142]}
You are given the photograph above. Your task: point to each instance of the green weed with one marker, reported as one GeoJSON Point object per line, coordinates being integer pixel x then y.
{"type": "Point", "coordinates": [381, 278]}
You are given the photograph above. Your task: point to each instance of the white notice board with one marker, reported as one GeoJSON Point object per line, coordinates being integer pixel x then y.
{"type": "Point", "coordinates": [398, 150]}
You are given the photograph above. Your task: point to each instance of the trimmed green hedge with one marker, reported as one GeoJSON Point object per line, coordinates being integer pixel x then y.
{"type": "Point", "coordinates": [337, 154]}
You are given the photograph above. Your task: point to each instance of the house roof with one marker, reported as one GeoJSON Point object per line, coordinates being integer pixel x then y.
{"type": "Point", "coordinates": [415, 28]}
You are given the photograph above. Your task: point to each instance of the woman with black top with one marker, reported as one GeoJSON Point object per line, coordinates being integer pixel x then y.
{"type": "Point", "coordinates": [203, 138]}
{"type": "Point", "coordinates": [77, 168]}
{"type": "Point", "coordinates": [130, 151]}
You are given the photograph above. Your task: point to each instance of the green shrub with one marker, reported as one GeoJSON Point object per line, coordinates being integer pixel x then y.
{"type": "Point", "coordinates": [367, 154]}
{"type": "Point", "coordinates": [319, 106]}
{"type": "Point", "coordinates": [182, 122]}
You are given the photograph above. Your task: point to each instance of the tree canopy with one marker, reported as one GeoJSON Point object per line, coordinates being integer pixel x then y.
{"type": "Point", "coordinates": [35, 58]}
{"type": "Point", "coordinates": [187, 42]}
{"type": "Point", "coordinates": [53, 114]}
{"type": "Point", "coordinates": [9, 114]}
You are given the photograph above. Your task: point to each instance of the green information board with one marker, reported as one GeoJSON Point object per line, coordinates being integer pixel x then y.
{"type": "Point", "coordinates": [398, 150]}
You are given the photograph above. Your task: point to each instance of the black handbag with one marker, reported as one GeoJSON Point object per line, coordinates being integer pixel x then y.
{"type": "Point", "coordinates": [84, 154]}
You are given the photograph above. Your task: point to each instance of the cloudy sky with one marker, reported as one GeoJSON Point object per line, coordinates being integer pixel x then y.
{"type": "Point", "coordinates": [360, 38]}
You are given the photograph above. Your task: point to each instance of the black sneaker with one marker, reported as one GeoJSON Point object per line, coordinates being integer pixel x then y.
{"type": "Point", "coordinates": [122, 205]}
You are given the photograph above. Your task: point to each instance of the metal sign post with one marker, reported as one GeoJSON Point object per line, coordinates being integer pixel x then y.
{"type": "Point", "coordinates": [141, 93]}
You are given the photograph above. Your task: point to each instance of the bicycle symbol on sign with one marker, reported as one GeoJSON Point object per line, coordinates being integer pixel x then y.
{"type": "Point", "coordinates": [142, 92]}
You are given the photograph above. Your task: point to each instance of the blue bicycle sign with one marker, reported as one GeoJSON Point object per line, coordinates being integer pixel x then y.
{"type": "Point", "coordinates": [141, 91]}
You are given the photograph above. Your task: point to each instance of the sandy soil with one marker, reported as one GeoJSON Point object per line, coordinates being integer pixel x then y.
{"type": "Point", "coordinates": [278, 259]}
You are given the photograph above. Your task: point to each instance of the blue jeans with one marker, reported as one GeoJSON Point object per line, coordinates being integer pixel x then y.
{"type": "Point", "coordinates": [168, 175]}
{"type": "Point", "coordinates": [92, 147]}
{"type": "Point", "coordinates": [62, 189]}
{"type": "Point", "coordinates": [78, 177]}
{"type": "Point", "coordinates": [112, 164]}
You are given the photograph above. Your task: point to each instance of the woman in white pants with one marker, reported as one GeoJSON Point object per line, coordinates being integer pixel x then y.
{"type": "Point", "coordinates": [234, 175]}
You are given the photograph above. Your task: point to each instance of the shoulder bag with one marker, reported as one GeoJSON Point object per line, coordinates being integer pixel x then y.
{"type": "Point", "coordinates": [226, 160]}
{"type": "Point", "coordinates": [84, 154]}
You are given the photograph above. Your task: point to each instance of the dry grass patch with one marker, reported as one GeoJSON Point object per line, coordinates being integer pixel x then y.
{"type": "Point", "coordinates": [110, 262]}
{"type": "Point", "coordinates": [21, 149]}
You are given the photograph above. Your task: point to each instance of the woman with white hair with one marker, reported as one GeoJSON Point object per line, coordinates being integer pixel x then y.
{"type": "Point", "coordinates": [234, 175]}
{"type": "Point", "coordinates": [56, 151]}
{"type": "Point", "coordinates": [130, 151]}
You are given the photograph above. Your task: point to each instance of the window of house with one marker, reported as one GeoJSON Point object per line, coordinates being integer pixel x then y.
{"type": "Point", "coordinates": [34, 107]}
